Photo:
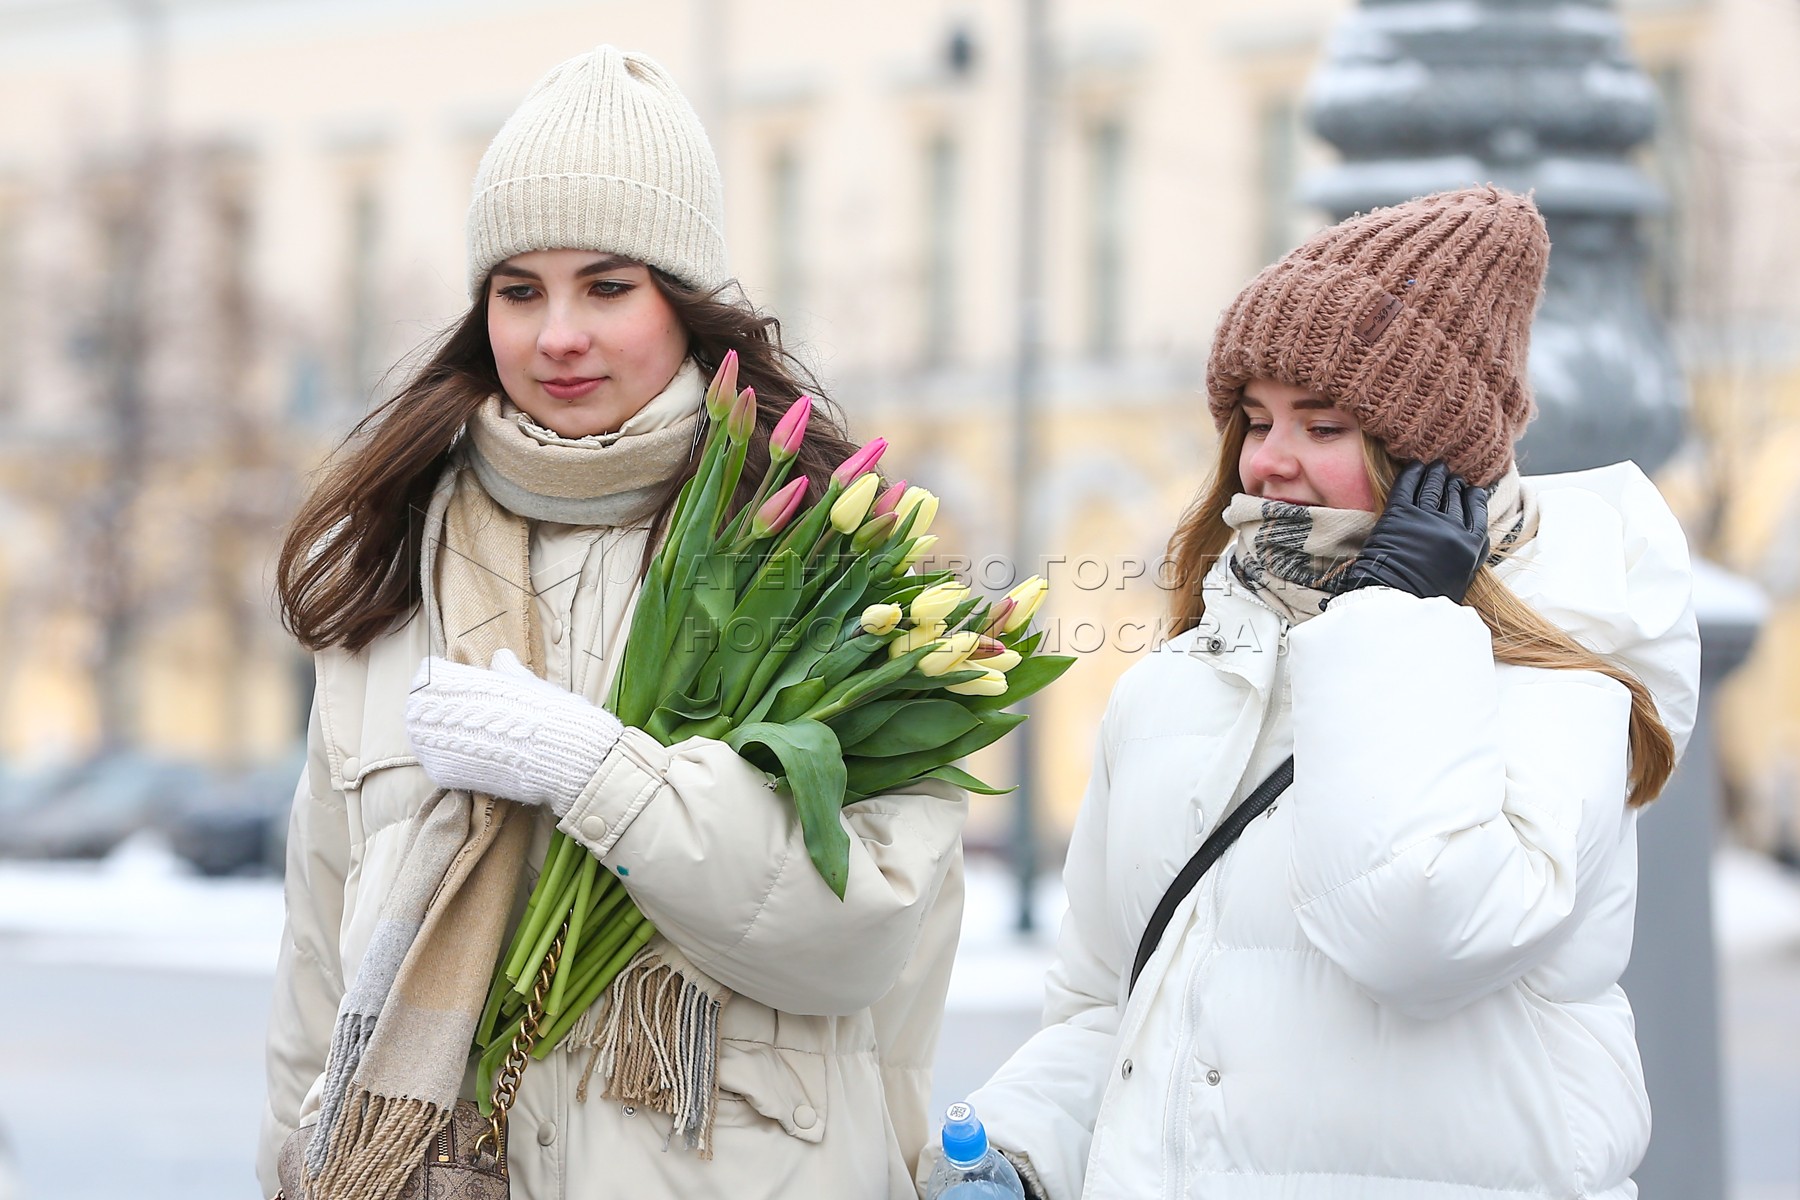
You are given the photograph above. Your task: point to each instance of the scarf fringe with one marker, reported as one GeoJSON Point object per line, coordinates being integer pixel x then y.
{"type": "Point", "coordinates": [349, 1040]}
{"type": "Point", "coordinates": [378, 1143]}
{"type": "Point", "coordinates": [655, 1040]}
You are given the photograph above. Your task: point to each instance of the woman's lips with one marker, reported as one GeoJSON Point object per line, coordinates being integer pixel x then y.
{"type": "Point", "coordinates": [570, 389]}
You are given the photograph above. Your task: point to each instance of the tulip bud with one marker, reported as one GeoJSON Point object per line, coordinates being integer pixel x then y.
{"type": "Point", "coordinates": [949, 654]}
{"type": "Point", "coordinates": [874, 532]}
{"type": "Point", "coordinates": [880, 618]}
{"type": "Point", "coordinates": [1003, 661]}
{"type": "Point", "coordinates": [920, 548]}
{"type": "Point", "coordinates": [936, 602]}
{"type": "Point", "coordinates": [1030, 597]}
{"type": "Point", "coordinates": [912, 639]}
{"type": "Point", "coordinates": [925, 502]}
{"type": "Point", "coordinates": [790, 431]}
{"type": "Point", "coordinates": [742, 418]}
{"type": "Point", "coordinates": [889, 500]}
{"type": "Point", "coordinates": [988, 683]}
{"type": "Point", "coordinates": [997, 615]}
{"type": "Point", "coordinates": [863, 460]}
{"type": "Point", "coordinates": [778, 510]}
{"type": "Point", "coordinates": [851, 507]}
{"type": "Point", "coordinates": [723, 387]}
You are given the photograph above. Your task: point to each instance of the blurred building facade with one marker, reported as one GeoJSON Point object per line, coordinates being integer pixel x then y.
{"type": "Point", "coordinates": [307, 166]}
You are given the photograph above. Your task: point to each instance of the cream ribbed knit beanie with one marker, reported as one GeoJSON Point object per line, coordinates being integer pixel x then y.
{"type": "Point", "coordinates": [604, 154]}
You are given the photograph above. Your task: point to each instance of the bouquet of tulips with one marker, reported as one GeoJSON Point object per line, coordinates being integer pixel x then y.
{"type": "Point", "coordinates": [802, 638]}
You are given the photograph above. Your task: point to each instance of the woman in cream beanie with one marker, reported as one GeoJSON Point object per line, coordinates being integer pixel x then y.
{"type": "Point", "coordinates": [492, 520]}
{"type": "Point", "coordinates": [1413, 706]}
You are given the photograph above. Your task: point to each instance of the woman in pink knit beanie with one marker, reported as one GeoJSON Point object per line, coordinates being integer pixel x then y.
{"type": "Point", "coordinates": [1353, 884]}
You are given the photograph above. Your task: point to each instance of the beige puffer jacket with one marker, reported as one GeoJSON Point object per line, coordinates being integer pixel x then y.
{"type": "Point", "coordinates": [827, 1045]}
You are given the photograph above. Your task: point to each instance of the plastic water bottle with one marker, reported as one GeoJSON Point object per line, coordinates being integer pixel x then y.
{"type": "Point", "coordinates": [971, 1169]}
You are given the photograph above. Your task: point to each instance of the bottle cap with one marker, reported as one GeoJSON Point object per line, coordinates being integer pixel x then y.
{"type": "Point", "coordinates": [965, 1141]}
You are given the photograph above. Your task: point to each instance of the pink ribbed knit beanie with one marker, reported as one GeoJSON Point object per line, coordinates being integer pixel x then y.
{"type": "Point", "coordinates": [1415, 319]}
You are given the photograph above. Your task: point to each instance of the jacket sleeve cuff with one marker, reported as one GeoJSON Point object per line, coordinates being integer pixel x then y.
{"type": "Point", "coordinates": [628, 779]}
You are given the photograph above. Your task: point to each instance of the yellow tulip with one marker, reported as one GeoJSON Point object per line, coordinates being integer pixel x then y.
{"type": "Point", "coordinates": [1028, 597]}
{"type": "Point", "coordinates": [950, 654]}
{"type": "Point", "coordinates": [851, 507]}
{"type": "Point", "coordinates": [936, 602]}
{"type": "Point", "coordinates": [912, 639]}
{"type": "Point", "coordinates": [925, 502]}
{"type": "Point", "coordinates": [1003, 661]}
{"type": "Point", "coordinates": [880, 618]}
{"type": "Point", "coordinates": [920, 548]}
{"type": "Point", "coordinates": [988, 683]}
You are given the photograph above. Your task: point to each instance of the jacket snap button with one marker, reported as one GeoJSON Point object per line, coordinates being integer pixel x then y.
{"type": "Point", "coordinates": [546, 1133]}
{"type": "Point", "coordinates": [805, 1117]}
{"type": "Point", "coordinates": [1212, 1077]}
{"type": "Point", "coordinates": [593, 828]}
{"type": "Point", "coordinates": [1214, 645]}
{"type": "Point", "coordinates": [352, 768]}
{"type": "Point", "coordinates": [1125, 1069]}
{"type": "Point", "coordinates": [630, 1110]}
{"type": "Point", "coordinates": [556, 632]}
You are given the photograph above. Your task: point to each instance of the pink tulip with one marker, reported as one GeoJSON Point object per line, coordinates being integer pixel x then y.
{"type": "Point", "coordinates": [986, 647]}
{"type": "Point", "coordinates": [888, 500]}
{"type": "Point", "coordinates": [860, 463]}
{"type": "Point", "coordinates": [742, 418]}
{"type": "Point", "coordinates": [784, 443]}
{"type": "Point", "coordinates": [778, 510]}
{"type": "Point", "coordinates": [998, 616]}
{"type": "Point", "coordinates": [723, 387]}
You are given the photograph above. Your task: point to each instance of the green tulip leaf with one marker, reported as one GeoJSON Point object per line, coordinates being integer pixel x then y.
{"type": "Point", "coordinates": [1028, 678]}
{"type": "Point", "coordinates": [910, 726]}
{"type": "Point", "coordinates": [812, 764]}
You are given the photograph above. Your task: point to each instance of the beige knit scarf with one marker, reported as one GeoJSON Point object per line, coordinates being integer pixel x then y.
{"type": "Point", "coordinates": [1292, 556]}
{"type": "Point", "coordinates": [401, 1044]}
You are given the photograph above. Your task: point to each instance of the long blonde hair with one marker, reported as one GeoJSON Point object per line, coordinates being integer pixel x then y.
{"type": "Point", "coordinates": [1522, 637]}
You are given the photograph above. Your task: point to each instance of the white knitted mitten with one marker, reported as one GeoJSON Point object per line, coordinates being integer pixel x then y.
{"type": "Point", "coordinates": [506, 732]}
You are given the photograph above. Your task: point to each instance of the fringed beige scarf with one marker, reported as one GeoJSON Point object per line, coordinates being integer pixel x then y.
{"type": "Point", "coordinates": [1292, 556]}
{"type": "Point", "coordinates": [654, 1039]}
{"type": "Point", "coordinates": [401, 1045]}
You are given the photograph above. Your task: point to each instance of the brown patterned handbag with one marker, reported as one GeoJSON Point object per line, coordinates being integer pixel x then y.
{"type": "Point", "coordinates": [461, 1164]}
{"type": "Point", "coordinates": [467, 1161]}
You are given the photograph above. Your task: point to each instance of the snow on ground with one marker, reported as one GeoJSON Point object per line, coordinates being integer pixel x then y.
{"type": "Point", "coordinates": [140, 906]}
{"type": "Point", "coordinates": [143, 907]}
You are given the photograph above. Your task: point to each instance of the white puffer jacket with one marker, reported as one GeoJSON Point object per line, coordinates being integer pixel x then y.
{"type": "Point", "coordinates": [1403, 980]}
{"type": "Point", "coordinates": [827, 1044]}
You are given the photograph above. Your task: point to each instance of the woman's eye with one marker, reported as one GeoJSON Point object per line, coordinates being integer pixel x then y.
{"type": "Point", "coordinates": [517, 293]}
{"type": "Point", "coordinates": [1326, 431]}
{"type": "Point", "coordinates": [612, 287]}
{"type": "Point", "coordinates": [1258, 430]}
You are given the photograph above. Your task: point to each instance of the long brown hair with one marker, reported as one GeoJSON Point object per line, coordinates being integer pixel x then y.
{"type": "Point", "coordinates": [349, 565]}
{"type": "Point", "coordinates": [1522, 637]}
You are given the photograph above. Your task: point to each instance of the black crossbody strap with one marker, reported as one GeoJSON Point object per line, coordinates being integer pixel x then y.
{"type": "Point", "coordinates": [1215, 845]}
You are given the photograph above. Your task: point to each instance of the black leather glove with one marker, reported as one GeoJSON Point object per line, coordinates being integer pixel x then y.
{"type": "Point", "coordinates": [1430, 539]}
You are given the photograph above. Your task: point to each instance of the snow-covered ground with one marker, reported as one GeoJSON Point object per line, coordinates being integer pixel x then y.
{"type": "Point", "coordinates": [142, 907]}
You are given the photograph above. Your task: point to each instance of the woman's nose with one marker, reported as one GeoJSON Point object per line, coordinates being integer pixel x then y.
{"type": "Point", "coordinates": [561, 337]}
{"type": "Point", "coordinates": [1272, 459]}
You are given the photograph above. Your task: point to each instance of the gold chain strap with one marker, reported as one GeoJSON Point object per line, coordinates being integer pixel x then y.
{"type": "Point", "coordinates": [518, 1055]}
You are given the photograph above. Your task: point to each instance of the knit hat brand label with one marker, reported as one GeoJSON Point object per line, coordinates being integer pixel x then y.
{"type": "Point", "coordinates": [1377, 319]}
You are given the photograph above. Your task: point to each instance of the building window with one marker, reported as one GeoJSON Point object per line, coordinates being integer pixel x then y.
{"type": "Point", "coordinates": [1278, 137]}
{"type": "Point", "coordinates": [784, 232]}
{"type": "Point", "coordinates": [12, 335]}
{"type": "Point", "coordinates": [1672, 165]}
{"type": "Point", "coordinates": [360, 341]}
{"type": "Point", "coordinates": [943, 182]}
{"type": "Point", "coordinates": [1106, 237]}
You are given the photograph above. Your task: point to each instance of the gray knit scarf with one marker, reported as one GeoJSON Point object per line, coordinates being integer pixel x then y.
{"type": "Point", "coordinates": [1292, 556]}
